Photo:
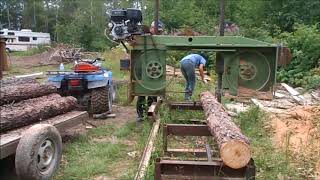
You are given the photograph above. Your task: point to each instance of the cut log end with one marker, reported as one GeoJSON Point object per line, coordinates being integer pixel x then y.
{"type": "Point", "coordinates": [235, 154]}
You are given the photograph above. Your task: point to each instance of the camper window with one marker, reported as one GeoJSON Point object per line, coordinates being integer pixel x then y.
{"type": "Point", "coordinates": [11, 33]}
{"type": "Point", "coordinates": [34, 38]}
{"type": "Point", "coordinates": [1, 32]}
{"type": "Point", "coordinates": [24, 39]}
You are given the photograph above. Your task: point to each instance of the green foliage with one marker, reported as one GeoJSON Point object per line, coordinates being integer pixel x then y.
{"type": "Point", "coordinates": [257, 33]}
{"type": "Point", "coordinates": [304, 43]}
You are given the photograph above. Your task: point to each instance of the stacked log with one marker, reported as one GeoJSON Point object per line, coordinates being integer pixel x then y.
{"type": "Point", "coordinates": [34, 110]}
{"type": "Point", "coordinates": [234, 146]}
{"type": "Point", "coordinates": [16, 93]}
{"type": "Point", "coordinates": [16, 81]}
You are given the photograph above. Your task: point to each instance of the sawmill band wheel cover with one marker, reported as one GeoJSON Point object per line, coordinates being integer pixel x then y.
{"type": "Point", "coordinates": [38, 153]}
{"type": "Point", "coordinates": [252, 69]}
{"type": "Point", "coordinates": [149, 70]}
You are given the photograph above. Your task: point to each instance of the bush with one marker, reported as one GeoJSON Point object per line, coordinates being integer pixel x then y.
{"type": "Point", "coordinates": [257, 33]}
{"type": "Point", "coordinates": [304, 43]}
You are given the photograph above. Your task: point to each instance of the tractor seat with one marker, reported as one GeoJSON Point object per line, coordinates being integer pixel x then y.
{"type": "Point", "coordinates": [83, 67]}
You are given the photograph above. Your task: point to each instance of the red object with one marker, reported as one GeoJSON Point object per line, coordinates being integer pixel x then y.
{"type": "Point", "coordinates": [74, 82]}
{"type": "Point", "coordinates": [85, 67]}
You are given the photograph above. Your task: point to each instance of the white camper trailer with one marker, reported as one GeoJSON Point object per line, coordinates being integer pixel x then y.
{"type": "Point", "coordinates": [24, 39]}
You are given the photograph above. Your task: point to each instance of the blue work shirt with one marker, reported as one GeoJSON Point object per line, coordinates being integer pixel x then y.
{"type": "Point", "coordinates": [196, 59]}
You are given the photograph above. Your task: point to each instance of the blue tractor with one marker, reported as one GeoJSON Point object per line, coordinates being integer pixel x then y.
{"type": "Point", "coordinates": [89, 83]}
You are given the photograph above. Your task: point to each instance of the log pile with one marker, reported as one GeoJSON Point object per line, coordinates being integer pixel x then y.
{"type": "Point", "coordinates": [234, 146]}
{"type": "Point", "coordinates": [16, 81]}
{"type": "Point", "coordinates": [176, 72]}
{"type": "Point", "coordinates": [16, 93]}
{"type": "Point", "coordinates": [23, 101]}
{"type": "Point", "coordinates": [34, 110]}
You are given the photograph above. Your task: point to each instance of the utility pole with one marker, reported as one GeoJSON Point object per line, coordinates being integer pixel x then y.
{"type": "Point", "coordinates": [156, 15]}
{"type": "Point", "coordinates": [8, 15]}
{"type": "Point", "coordinates": [221, 19]}
{"type": "Point", "coordinates": [34, 15]}
{"type": "Point", "coordinates": [91, 13]}
{"type": "Point", "coordinates": [56, 32]}
{"type": "Point", "coordinates": [219, 57]}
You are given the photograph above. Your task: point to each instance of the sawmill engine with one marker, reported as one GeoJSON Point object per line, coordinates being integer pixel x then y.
{"type": "Point", "coordinates": [124, 23]}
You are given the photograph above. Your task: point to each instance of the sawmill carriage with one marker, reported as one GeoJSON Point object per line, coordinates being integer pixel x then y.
{"type": "Point", "coordinates": [246, 68]}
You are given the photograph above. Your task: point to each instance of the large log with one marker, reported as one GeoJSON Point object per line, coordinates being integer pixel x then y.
{"type": "Point", "coordinates": [234, 146]}
{"type": "Point", "coordinates": [16, 93]}
{"type": "Point", "coordinates": [34, 110]}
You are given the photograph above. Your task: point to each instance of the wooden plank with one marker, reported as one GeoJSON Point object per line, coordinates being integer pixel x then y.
{"type": "Point", "coordinates": [257, 103]}
{"type": "Point", "coordinates": [294, 94]}
{"type": "Point", "coordinates": [279, 95]}
{"type": "Point", "coordinates": [30, 75]}
{"type": "Point", "coordinates": [147, 151]}
{"type": "Point", "coordinates": [292, 91]}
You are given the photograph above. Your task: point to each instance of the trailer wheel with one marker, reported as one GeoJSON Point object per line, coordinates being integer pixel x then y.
{"type": "Point", "coordinates": [101, 100]}
{"type": "Point", "coordinates": [38, 153]}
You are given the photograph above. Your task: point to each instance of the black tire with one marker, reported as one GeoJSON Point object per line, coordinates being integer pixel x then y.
{"type": "Point", "coordinates": [100, 100]}
{"type": "Point", "coordinates": [38, 153]}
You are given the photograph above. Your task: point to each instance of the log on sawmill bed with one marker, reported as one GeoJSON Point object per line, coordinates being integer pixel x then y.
{"type": "Point", "coordinates": [34, 110]}
{"type": "Point", "coordinates": [234, 146]}
{"type": "Point", "coordinates": [16, 93]}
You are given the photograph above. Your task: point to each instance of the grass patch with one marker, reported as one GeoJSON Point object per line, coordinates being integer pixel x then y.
{"type": "Point", "coordinates": [271, 163]}
{"type": "Point", "coordinates": [96, 154]}
{"type": "Point", "coordinates": [112, 62]}
{"type": "Point", "coordinates": [30, 52]}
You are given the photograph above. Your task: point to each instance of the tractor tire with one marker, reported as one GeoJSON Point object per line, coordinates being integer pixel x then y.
{"type": "Point", "coordinates": [38, 153]}
{"type": "Point", "coordinates": [100, 100]}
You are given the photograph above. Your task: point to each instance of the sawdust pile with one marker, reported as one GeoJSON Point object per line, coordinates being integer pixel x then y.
{"type": "Point", "coordinates": [298, 130]}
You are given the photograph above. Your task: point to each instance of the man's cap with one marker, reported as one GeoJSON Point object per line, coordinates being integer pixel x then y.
{"type": "Point", "coordinates": [160, 25]}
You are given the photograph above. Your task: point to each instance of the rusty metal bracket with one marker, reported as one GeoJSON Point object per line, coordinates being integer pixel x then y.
{"type": "Point", "coordinates": [196, 105]}
{"type": "Point", "coordinates": [213, 168]}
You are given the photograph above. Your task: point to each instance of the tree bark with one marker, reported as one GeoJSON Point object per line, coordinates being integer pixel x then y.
{"type": "Point", "coordinates": [34, 110]}
{"type": "Point", "coordinates": [234, 146]}
{"type": "Point", "coordinates": [16, 93]}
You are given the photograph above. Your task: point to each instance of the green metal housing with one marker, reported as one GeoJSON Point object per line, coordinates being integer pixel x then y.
{"type": "Point", "coordinates": [249, 65]}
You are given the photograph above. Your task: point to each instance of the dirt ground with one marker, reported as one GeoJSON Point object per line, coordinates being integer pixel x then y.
{"type": "Point", "coordinates": [296, 130]}
{"type": "Point", "coordinates": [123, 115]}
{"type": "Point", "coordinates": [34, 60]}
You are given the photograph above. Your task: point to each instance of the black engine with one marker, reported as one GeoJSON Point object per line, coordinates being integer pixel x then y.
{"type": "Point", "coordinates": [124, 23]}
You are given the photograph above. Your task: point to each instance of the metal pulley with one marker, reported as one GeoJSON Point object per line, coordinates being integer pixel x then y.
{"type": "Point", "coordinates": [154, 69]}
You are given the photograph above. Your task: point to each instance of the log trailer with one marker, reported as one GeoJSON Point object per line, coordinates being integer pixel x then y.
{"type": "Point", "coordinates": [38, 147]}
{"type": "Point", "coordinates": [248, 69]}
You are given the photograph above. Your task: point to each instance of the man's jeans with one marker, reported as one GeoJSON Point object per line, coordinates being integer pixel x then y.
{"type": "Point", "coordinates": [141, 102]}
{"type": "Point", "coordinates": [188, 71]}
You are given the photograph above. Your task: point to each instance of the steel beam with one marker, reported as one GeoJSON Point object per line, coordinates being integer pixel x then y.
{"type": "Point", "coordinates": [215, 169]}
{"type": "Point", "coordinates": [185, 105]}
